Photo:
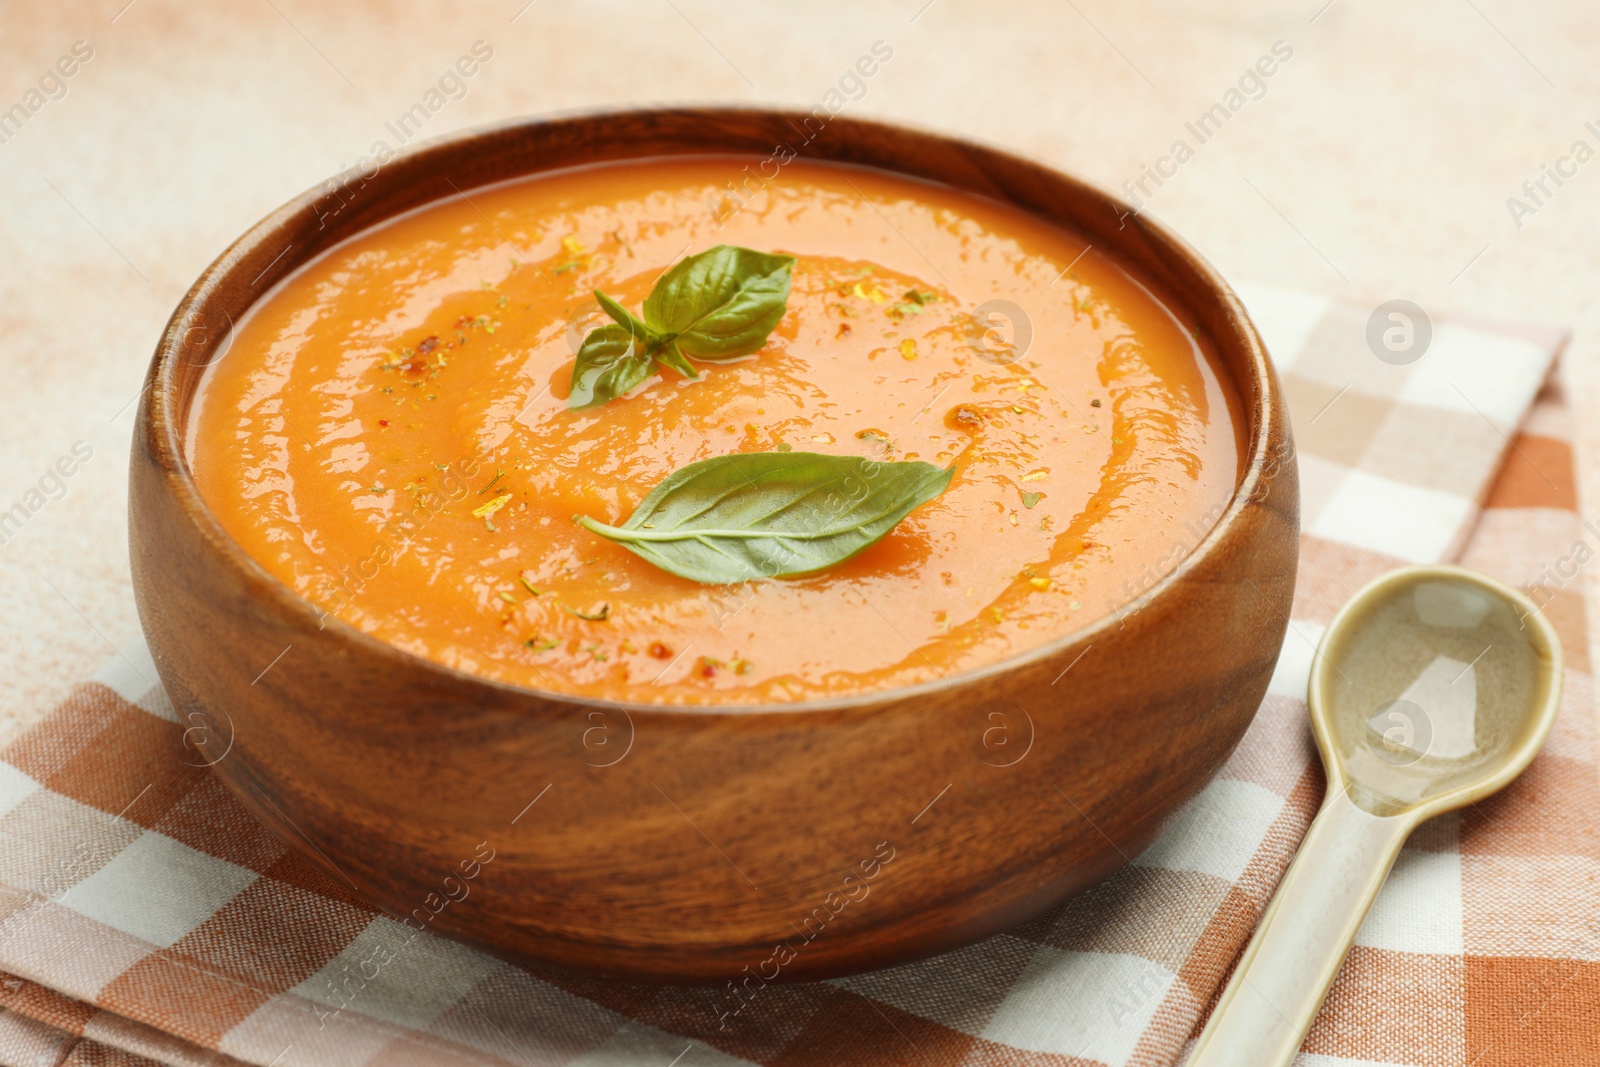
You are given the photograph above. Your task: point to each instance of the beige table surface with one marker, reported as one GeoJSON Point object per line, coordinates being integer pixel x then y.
{"type": "Point", "coordinates": [1377, 165]}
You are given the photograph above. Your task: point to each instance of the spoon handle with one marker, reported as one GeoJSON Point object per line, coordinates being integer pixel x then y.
{"type": "Point", "coordinates": [1297, 950]}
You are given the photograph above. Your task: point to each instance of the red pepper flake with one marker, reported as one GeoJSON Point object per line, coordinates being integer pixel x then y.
{"type": "Point", "coordinates": [383, 422]}
{"type": "Point", "coordinates": [660, 650]}
{"type": "Point", "coordinates": [707, 667]}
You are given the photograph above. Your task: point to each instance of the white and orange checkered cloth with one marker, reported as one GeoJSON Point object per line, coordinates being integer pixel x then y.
{"type": "Point", "coordinates": [144, 917]}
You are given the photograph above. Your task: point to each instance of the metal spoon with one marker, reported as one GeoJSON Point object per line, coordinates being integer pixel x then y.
{"type": "Point", "coordinates": [1432, 688]}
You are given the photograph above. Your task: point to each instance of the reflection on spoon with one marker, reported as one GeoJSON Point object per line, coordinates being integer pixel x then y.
{"type": "Point", "coordinates": [1433, 688]}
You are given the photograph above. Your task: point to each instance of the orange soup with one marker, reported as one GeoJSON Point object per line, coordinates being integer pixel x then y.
{"type": "Point", "coordinates": [389, 432]}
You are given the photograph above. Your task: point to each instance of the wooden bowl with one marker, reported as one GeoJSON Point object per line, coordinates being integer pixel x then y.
{"type": "Point", "coordinates": [705, 844]}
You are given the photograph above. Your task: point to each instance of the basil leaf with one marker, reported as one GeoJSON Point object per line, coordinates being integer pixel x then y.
{"type": "Point", "coordinates": [613, 360]}
{"type": "Point", "coordinates": [722, 303]}
{"type": "Point", "coordinates": [673, 358]}
{"type": "Point", "coordinates": [622, 315]}
{"type": "Point", "coordinates": [771, 514]}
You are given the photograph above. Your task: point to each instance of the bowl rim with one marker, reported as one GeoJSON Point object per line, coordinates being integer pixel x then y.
{"type": "Point", "coordinates": [1259, 397]}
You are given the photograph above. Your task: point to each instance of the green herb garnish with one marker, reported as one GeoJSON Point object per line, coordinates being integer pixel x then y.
{"type": "Point", "coordinates": [715, 306]}
{"type": "Point", "coordinates": [498, 474]}
{"type": "Point", "coordinates": [756, 515]}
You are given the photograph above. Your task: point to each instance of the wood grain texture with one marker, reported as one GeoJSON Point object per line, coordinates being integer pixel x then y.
{"type": "Point", "coordinates": [719, 834]}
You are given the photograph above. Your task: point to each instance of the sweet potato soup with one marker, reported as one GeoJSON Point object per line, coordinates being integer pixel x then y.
{"type": "Point", "coordinates": [392, 431]}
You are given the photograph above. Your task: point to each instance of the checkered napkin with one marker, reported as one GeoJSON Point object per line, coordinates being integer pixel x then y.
{"type": "Point", "coordinates": [145, 918]}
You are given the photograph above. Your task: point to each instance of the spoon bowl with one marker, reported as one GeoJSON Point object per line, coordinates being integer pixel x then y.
{"type": "Point", "coordinates": [1432, 689]}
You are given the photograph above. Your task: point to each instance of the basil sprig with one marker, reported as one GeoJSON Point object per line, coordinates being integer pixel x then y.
{"type": "Point", "coordinates": [755, 515]}
{"type": "Point", "coordinates": [715, 306]}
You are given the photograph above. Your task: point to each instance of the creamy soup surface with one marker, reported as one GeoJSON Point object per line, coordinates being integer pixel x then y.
{"type": "Point", "coordinates": [372, 404]}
